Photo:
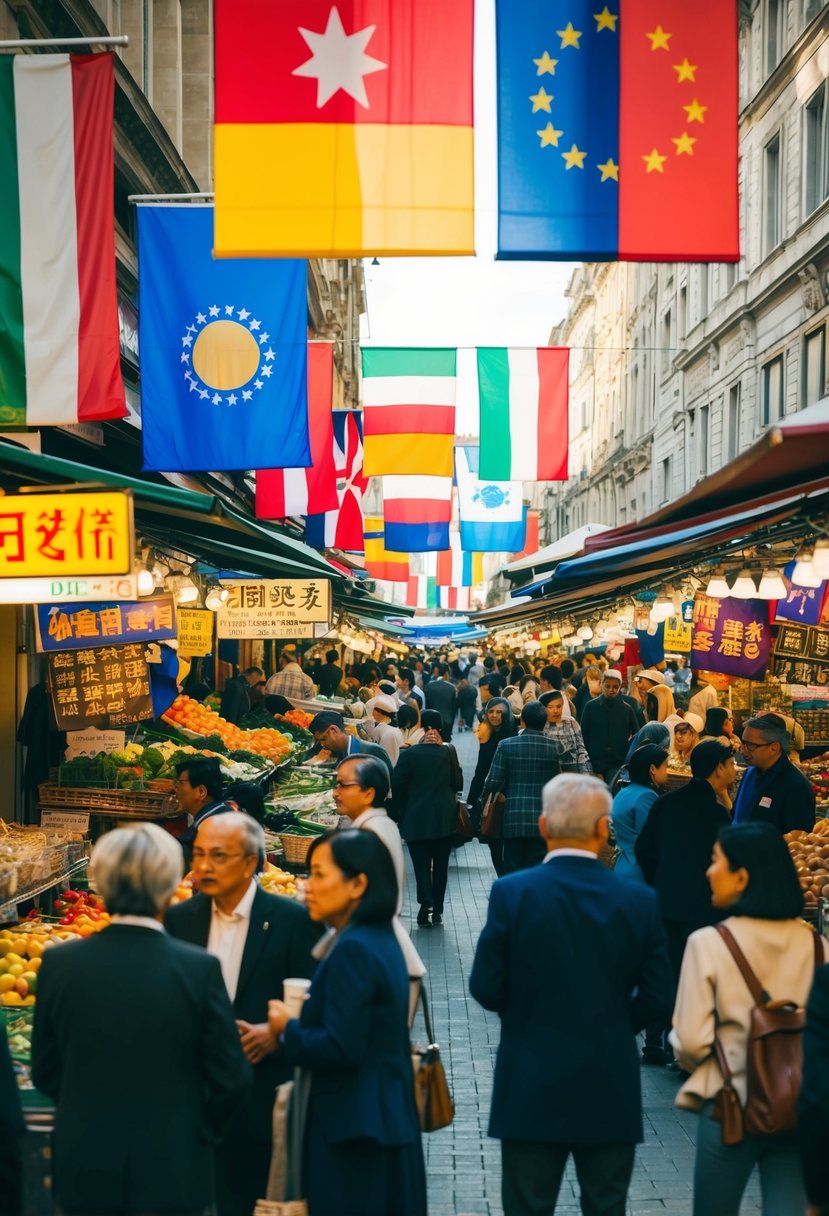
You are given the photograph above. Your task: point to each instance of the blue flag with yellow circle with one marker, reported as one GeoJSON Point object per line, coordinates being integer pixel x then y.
{"type": "Point", "coordinates": [222, 350]}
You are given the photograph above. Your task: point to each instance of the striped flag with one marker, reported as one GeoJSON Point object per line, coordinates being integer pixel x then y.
{"type": "Point", "coordinates": [492, 518]}
{"type": "Point", "coordinates": [422, 591]}
{"type": "Point", "coordinates": [457, 568]}
{"type": "Point", "coordinates": [59, 336]}
{"type": "Point", "coordinates": [531, 541]}
{"type": "Point", "coordinates": [311, 491]}
{"type": "Point", "coordinates": [417, 511]}
{"type": "Point", "coordinates": [457, 599]}
{"type": "Point", "coordinates": [523, 413]}
{"type": "Point", "coordinates": [342, 528]}
{"type": "Point", "coordinates": [380, 562]}
{"type": "Point", "coordinates": [409, 410]}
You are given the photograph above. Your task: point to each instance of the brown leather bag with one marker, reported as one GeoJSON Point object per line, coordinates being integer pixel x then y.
{"type": "Point", "coordinates": [774, 1060]}
{"type": "Point", "coordinates": [492, 817]}
{"type": "Point", "coordinates": [464, 832]}
{"type": "Point", "coordinates": [435, 1107]}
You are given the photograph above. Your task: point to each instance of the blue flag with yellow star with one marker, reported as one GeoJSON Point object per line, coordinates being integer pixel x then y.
{"type": "Point", "coordinates": [617, 130]}
{"type": "Point", "coordinates": [222, 350]}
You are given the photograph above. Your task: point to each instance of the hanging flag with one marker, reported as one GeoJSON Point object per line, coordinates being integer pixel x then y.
{"type": "Point", "coordinates": [381, 563]}
{"type": "Point", "coordinates": [409, 410]}
{"type": "Point", "coordinates": [491, 512]}
{"type": "Point", "coordinates": [343, 130]}
{"type": "Point", "coordinates": [457, 568]}
{"type": "Point", "coordinates": [531, 541]}
{"type": "Point", "coordinates": [617, 130]}
{"type": "Point", "coordinates": [457, 599]}
{"type": "Point", "coordinates": [311, 491]}
{"type": "Point", "coordinates": [422, 591]}
{"type": "Point", "coordinates": [59, 336]}
{"type": "Point", "coordinates": [223, 365]}
{"type": "Point", "coordinates": [342, 528]}
{"type": "Point", "coordinates": [416, 512]}
{"type": "Point", "coordinates": [523, 398]}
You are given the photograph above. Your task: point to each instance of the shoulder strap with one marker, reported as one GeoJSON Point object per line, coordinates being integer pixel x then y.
{"type": "Point", "coordinates": [754, 986]}
{"type": "Point", "coordinates": [722, 1061]}
{"type": "Point", "coordinates": [427, 1017]}
{"type": "Point", "coordinates": [817, 942]}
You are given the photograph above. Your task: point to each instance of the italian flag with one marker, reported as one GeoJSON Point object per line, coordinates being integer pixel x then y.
{"type": "Point", "coordinates": [523, 400]}
{"type": "Point", "coordinates": [59, 337]}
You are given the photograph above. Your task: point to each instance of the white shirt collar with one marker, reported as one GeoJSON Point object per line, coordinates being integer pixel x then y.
{"type": "Point", "coordinates": [570, 853]}
{"type": "Point", "coordinates": [369, 814]}
{"type": "Point", "coordinates": [243, 909]}
{"type": "Point", "coordinates": [143, 922]}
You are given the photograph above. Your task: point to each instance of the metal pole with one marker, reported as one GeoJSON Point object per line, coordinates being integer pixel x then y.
{"type": "Point", "coordinates": [20, 43]}
{"type": "Point", "coordinates": [162, 198]}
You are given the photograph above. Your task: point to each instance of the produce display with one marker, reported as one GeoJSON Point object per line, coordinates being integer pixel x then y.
{"type": "Point", "coordinates": [810, 854]}
{"type": "Point", "coordinates": [818, 773]}
{"type": "Point", "coordinates": [22, 947]}
{"type": "Point", "coordinates": [201, 720]}
{"type": "Point", "coordinates": [297, 717]}
{"type": "Point", "coordinates": [154, 766]}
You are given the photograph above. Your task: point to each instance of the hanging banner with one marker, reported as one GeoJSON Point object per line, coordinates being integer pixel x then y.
{"type": "Point", "coordinates": [58, 627]}
{"type": "Point", "coordinates": [801, 655]}
{"type": "Point", "coordinates": [195, 632]}
{"type": "Point", "coordinates": [677, 635]}
{"type": "Point", "coordinates": [285, 608]}
{"type": "Point", "coordinates": [104, 688]}
{"type": "Point", "coordinates": [731, 636]}
{"type": "Point", "coordinates": [802, 604]}
{"type": "Point", "coordinates": [63, 535]}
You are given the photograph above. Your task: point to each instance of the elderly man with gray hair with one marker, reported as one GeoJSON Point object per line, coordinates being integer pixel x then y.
{"type": "Point", "coordinates": [135, 1040]}
{"type": "Point", "coordinates": [773, 789]}
{"type": "Point", "coordinates": [573, 958]}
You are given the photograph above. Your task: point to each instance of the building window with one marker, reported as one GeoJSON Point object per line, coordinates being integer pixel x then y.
{"type": "Point", "coordinates": [775, 14]}
{"type": "Point", "coordinates": [666, 341]}
{"type": "Point", "coordinates": [811, 8]}
{"type": "Point", "coordinates": [666, 479]}
{"type": "Point", "coordinates": [771, 194]}
{"type": "Point", "coordinates": [816, 185]}
{"type": "Point", "coordinates": [772, 391]}
{"type": "Point", "coordinates": [734, 421]}
{"type": "Point", "coordinates": [704, 440]}
{"type": "Point", "coordinates": [683, 311]}
{"type": "Point", "coordinates": [731, 269]}
{"type": "Point", "coordinates": [703, 291]}
{"type": "Point", "coordinates": [814, 367]}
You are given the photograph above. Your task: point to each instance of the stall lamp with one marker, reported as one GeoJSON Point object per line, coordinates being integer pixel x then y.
{"type": "Point", "coordinates": [805, 573]}
{"type": "Point", "coordinates": [216, 597]}
{"type": "Point", "coordinates": [718, 588]}
{"type": "Point", "coordinates": [662, 608]}
{"type": "Point", "coordinates": [159, 573]}
{"type": "Point", "coordinates": [820, 558]}
{"type": "Point", "coordinates": [585, 633]}
{"type": "Point", "coordinates": [744, 586]}
{"type": "Point", "coordinates": [146, 581]}
{"type": "Point", "coordinates": [772, 586]}
{"type": "Point", "coordinates": [187, 592]}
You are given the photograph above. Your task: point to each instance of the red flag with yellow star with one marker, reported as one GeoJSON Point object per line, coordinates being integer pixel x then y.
{"type": "Point", "coordinates": [617, 130]}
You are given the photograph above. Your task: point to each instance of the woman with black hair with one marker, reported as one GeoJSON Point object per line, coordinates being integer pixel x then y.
{"type": "Point", "coordinates": [497, 723]}
{"type": "Point", "coordinates": [648, 769]}
{"type": "Point", "coordinates": [362, 1153]}
{"type": "Point", "coordinates": [718, 725]}
{"type": "Point", "coordinates": [753, 879]}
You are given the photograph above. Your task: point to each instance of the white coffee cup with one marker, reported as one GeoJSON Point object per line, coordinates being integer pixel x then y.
{"type": "Point", "coordinates": [294, 993]}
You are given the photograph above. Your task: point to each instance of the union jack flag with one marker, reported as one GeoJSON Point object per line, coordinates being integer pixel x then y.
{"type": "Point", "coordinates": [342, 528]}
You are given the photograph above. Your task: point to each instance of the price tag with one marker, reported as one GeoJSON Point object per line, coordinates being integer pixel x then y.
{"type": "Point", "coordinates": [70, 821]}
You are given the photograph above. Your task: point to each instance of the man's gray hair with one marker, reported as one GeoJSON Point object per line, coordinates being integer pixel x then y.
{"type": "Point", "coordinates": [773, 729]}
{"type": "Point", "coordinates": [136, 869]}
{"type": "Point", "coordinates": [572, 804]}
{"type": "Point", "coordinates": [253, 837]}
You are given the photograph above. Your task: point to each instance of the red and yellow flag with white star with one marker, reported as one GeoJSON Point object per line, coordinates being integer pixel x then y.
{"type": "Point", "coordinates": [343, 128]}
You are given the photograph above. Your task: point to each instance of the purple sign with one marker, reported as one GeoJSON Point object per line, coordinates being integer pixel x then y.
{"type": "Point", "coordinates": [731, 636]}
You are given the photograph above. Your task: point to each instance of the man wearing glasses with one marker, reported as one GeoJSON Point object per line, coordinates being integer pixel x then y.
{"type": "Point", "coordinates": [773, 789]}
{"type": "Point", "coordinates": [259, 940]}
{"type": "Point", "coordinates": [199, 793]}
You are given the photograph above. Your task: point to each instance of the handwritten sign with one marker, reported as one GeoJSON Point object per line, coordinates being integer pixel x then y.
{"type": "Point", "coordinates": [288, 608]}
{"type": "Point", "coordinates": [61, 627]}
{"type": "Point", "coordinates": [105, 688]}
{"type": "Point", "coordinates": [195, 632]}
{"type": "Point", "coordinates": [65, 534]}
{"type": "Point", "coordinates": [67, 821]}
{"type": "Point", "coordinates": [91, 742]}
{"type": "Point", "coordinates": [677, 638]}
{"type": "Point", "coordinates": [731, 636]}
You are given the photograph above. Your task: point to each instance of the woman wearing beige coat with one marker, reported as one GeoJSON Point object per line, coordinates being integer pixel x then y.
{"type": "Point", "coordinates": [752, 875]}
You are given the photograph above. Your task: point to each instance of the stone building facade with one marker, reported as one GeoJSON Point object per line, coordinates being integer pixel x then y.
{"type": "Point", "coordinates": [677, 368]}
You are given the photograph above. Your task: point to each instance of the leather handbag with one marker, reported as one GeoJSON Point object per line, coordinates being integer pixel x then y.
{"type": "Point", "coordinates": [464, 831]}
{"type": "Point", "coordinates": [728, 1109]}
{"type": "Point", "coordinates": [435, 1107]}
{"type": "Point", "coordinates": [492, 816]}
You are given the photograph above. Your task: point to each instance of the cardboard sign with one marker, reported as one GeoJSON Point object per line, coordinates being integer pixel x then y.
{"type": "Point", "coordinates": [104, 688]}
{"type": "Point", "coordinates": [68, 821]}
{"type": "Point", "coordinates": [62, 627]}
{"type": "Point", "coordinates": [288, 608]}
{"type": "Point", "coordinates": [195, 632]}
{"type": "Point", "coordinates": [91, 742]}
{"type": "Point", "coordinates": [65, 534]}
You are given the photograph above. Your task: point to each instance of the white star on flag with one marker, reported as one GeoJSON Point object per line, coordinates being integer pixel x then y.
{"type": "Point", "coordinates": [338, 60]}
{"type": "Point", "coordinates": [217, 399]}
{"type": "Point", "coordinates": [257, 384]}
{"type": "Point", "coordinates": [185, 358]}
{"type": "Point", "coordinates": [246, 394]}
{"type": "Point", "coordinates": [213, 310]}
{"type": "Point", "coordinates": [243, 314]}
{"type": "Point", "coordinates": [255, 324]}
{"type": "Point", "coordinates": [229, 310]}
{"type": "Point", "coordinates": [201, 318]}
{"type": "Point", "coordinates": [203, 393]}
{"type": "Point", "coordinates": [263, 339]}
{"type": "Point", "coordinates": [266, 370]}
{"type": "Point", "coordinates": [232, 399]}
{"type": "Point", "coordinates": [269, 355]}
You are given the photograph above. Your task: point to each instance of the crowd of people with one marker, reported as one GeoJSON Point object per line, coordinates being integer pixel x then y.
{"type": "Point", "coordinates": [624, 904]}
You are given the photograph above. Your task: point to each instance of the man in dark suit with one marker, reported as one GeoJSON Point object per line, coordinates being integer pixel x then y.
{"type": "Point", "coordinates": [199, 794]}
{"type": "Point", "coordinates": [328, 729]}
{"type": "Point", "coordinates": [440, 695]}
{"type": "Point", "coordinates": [814, 1096]}
{"type": "Point", "coordinates": [235, 701]}
{"type": "Point", "coordinates": [330, 675]}
{"type": "Point", "coordinates": [134, 1038]}
{"type": "Point", "coordinates": [573, 959]}
{"type": "Point", "coordinates": [772, 789]}
{"type": "Point", "coordinates": [608, 723]}
{"type": "Point", "coordinates": [260, 940]}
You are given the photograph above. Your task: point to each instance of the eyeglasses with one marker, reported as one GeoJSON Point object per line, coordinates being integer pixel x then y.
{"type": "Point", "coordinates": [217, 858]}
{"type": "Point", "coordinates": [752, 747]}
{"type": "Point", "coordinates": [343, 785]}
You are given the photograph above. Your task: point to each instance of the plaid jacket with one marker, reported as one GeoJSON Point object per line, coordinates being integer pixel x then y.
{"type": "Point", "coordinates": [521, 768]}
{"type": "Point", "coordinates": [292, 683]}
{"type": "Point", "coordinates": [573, 755]}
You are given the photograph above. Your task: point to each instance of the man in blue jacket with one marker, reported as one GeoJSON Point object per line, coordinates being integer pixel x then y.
{"type": "Point", "coordinates": [573, 958]}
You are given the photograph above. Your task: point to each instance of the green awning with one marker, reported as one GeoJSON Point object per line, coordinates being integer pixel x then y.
{"type": "Point", "coordinates": [392, 631]}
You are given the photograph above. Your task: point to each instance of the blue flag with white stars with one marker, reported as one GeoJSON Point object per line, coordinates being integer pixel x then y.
{"type": "Point", "coordinates": [558, 129]}
{"type": "Point", "coordinates": [222, 351]}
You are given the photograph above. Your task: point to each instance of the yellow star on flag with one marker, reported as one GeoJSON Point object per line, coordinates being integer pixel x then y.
{"type": "Point", "coordinates": [549, 136]}
{"type": "Point", "coordinates": [659, 39]}
{"type": "Point", "coordinates": [541, 101]}
{"type": "Point", "coordinates": [654, 163]}
{"type": "Point", "coordinates": [684, 71]}
{"type": "Point", "coordinates": [569, 36]}
{"type": "Point", "coordinates": [609, 170]}
{"type": "Point", "coordinates": [546, 64]}
{"type": "Point", "coordinates": [574, 159]}
{"type": "Point", "coordinates": [685, 143]}
{"type": "Point", "coordinates": [695, 112]}
{"type": "Point", "coordinates": [605, 20]}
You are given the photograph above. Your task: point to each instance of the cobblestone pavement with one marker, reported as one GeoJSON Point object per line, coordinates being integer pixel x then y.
{"type": "Point", "coordinates": [462, 1163]}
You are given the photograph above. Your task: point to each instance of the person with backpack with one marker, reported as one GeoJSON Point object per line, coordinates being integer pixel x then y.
{"type": "Point", "coordinates": [743, 1055]}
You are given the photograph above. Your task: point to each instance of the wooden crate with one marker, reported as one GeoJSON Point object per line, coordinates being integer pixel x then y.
{"type": "Point", "coordinates": [133, 802]}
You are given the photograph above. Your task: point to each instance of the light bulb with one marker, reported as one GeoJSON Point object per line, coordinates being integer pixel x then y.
{"type": "Point", "coordinates": [187, 592]}
{"type": "Point", "coordinates": [772, 586]}
{"type": "Point", "coordinates": [718, 588]}
{"type": "Point", "coordinates": [744, 586]}
{"type": "Point", "coordinates": [214, 599]}
{"type": "Point", "coordinates": [585, 633]}
{"type": "Point", "coordinates": [661, 609]}
{"type": "Point", "coordinates": [146, 582]}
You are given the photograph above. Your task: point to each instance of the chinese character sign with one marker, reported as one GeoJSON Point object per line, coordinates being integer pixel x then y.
{"type": "Point", "coordinates": [731, 636]}
{"type": "Point", "coordinates": [801, 655]}
{"type": "Point", "coordinates": [61, 535]}
{"type": "Point", "coordinates": [195, 632]}
{"type": "Point", "coordinates": [103, 688]}
{"type": "Point", "coordinates": [677, 636]}
{"type": "Point", "coordinates": [76, 626]}
{"type": "Point", "coordinates": [274, 609]}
